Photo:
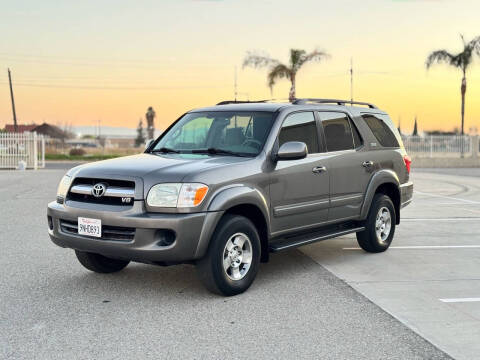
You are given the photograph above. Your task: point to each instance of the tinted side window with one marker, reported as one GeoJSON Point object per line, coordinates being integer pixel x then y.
{"type": "Point", "coordinates": [300, 127]}
{"type": "Point", "coordinates": [338, 132]}
{"type": "Point", "coordinates": [382, 131]}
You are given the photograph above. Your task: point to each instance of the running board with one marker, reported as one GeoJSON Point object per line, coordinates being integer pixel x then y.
{"type": "Point", "coordinates": [306, 239]}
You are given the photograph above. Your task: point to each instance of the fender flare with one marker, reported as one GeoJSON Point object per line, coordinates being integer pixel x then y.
{"type": "Point", "coordinates": [225, 199]}
{"type": "Point", "coordinates": [381, 177]}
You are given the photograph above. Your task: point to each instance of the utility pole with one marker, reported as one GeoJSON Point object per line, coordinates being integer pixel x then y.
{"type": "Point", "coordinates": [351, 80]}
{"type": "Point", "coordinates": [15, 126]}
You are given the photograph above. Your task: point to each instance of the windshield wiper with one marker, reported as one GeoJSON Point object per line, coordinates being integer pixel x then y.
{"type": "Point", "coordinates": [165, 150]}
{"type": "Point", "coordinates": [216, 151]}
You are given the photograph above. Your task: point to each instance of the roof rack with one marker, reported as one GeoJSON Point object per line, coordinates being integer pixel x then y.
{"type": "Point", "coordinates": [332, 101]}
{"type": "Point", "coordinates": [226, 102]}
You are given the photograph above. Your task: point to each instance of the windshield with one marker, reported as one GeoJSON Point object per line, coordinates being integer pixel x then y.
{"type": "Point", "coordinates": [218, 132]}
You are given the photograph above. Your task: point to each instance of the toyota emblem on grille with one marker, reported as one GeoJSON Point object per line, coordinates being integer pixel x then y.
{"type": "Point", "coordinates": [99, 189]}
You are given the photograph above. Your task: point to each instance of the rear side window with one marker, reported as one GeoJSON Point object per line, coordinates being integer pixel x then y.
{"type": "Point", "coordinates": [384, 132]}
{"type": "Point", "coordinates": [338, 131]}
{"type": "Point", "coordinates": [300, 127]}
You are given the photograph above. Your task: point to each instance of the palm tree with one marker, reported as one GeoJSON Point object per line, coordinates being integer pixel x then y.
{"type": "Point", "coordinates": [461, 61]}
{"type": "Point", "coordinates": [277, 70]}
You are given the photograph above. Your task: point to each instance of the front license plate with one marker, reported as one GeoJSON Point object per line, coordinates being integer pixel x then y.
{"type": "Point", "coordinates": [90, 227]}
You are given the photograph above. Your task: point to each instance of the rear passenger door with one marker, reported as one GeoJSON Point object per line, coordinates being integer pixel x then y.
{"type": "Point", "coordinates": [349, 168]}
{"type": "Point", "coordinates": [299, 192]}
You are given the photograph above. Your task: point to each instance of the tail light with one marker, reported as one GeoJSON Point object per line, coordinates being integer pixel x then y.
{"type": "Point", "coordinates": [408, 162]}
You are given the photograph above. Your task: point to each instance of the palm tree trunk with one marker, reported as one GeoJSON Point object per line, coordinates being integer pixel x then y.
{"type": "Point", "coordinates": [292, 95]}
{"type": "Point", "coordinates": [463, 90]}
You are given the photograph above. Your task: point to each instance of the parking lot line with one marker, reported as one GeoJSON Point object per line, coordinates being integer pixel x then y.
{"type": "Point", "coordinates": [448, 197]}
{"type": "Point", "coordinates": [443, 219]}
{"type": "Point", "coordinates": [459, 300]}
{"type": "Point", "coordinates": [424, 247]}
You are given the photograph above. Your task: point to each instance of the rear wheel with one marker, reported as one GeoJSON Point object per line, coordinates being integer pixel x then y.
{"type": "Point", "coordinates": [233, 257]}
{"type": "Point", "coordinates": [99, 263]}
{"type": "Point", "coordinates": [379, 226]}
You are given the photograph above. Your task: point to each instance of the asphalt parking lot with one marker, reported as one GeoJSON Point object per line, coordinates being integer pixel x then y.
{"type": "Point", "coordinates": [430, 277]}
{"type": "Point", "coordinates": [327, 300]}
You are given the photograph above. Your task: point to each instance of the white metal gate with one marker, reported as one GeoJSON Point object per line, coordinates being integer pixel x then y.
{"type": "Point", "coordinates": [28, 147]}
{"type": "Point", "coordinates": [438, 146]}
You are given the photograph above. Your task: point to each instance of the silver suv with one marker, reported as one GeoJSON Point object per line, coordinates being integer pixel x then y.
{"type": "Point", "coordinates": [224, 186]}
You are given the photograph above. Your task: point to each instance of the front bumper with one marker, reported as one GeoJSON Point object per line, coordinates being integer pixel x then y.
{"type": "Point", "coordinates": [191, 232]}
{"type": "Point", "coordinates": [406, 194]}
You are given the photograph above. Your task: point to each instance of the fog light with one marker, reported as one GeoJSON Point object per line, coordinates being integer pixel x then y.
{"type": "Point", "coordinates": [165, 237]}
{"type": "Point", "coordinates": [50, 222]}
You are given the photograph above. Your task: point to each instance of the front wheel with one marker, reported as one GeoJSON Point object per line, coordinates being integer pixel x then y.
{"type": "Point", "coordinates": [99, 263]}
{"type": "Point", "coordinates": [379, 226]}
{"type": "Point", "coordinates": [233, 257]}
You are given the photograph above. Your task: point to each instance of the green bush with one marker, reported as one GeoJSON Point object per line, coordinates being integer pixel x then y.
{"type": "Point", "coordinates": [77, 152]}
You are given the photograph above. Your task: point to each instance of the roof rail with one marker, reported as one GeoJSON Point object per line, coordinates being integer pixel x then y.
{"type": "Point", "coordinates": [332, 101]}
{"type": "Point", "coordinates": [241, 102]}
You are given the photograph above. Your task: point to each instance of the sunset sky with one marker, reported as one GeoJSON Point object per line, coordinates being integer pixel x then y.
{"type": "Point", "coordinates": [76, 62]}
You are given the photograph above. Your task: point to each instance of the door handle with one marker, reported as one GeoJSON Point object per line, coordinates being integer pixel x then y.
{"type": "Point", "coordinates": [367, 164]}
{"type": "Point", "coordinates": [319, 169]}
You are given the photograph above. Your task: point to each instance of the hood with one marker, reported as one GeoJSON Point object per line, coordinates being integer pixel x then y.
{"type": "Point", "coordinates": [162, 167]}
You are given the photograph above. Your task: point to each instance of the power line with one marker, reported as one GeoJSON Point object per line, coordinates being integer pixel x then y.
{"type": "Point", "coordinates": [81, 58]}
{"type": "Point", "coordinates": [81, 64]}
{"type": "Point", "coordinates": [85, 62]}
{"type": "Point", "coordinates": [61, 86]}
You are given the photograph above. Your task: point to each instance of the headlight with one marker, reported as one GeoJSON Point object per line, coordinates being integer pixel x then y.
{"type": "Point", "coordinates": [64, 186]}
{"type": "Point", "coordinates": [192, 195]}
{"type": "Point", "coordinates": [177, 195]}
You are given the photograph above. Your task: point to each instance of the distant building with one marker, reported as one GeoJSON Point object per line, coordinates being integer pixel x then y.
{"type": "Point", "coordinates": [51, 131]}
{"type": "Point", "coordinates": [85, 143]}
{"type": "Point", "coordinates": [119, 142]}
{"type": "Point", "coordinates": [10, 128]}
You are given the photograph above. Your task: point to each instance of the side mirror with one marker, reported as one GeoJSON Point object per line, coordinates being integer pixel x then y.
{"type": "Point", "coordinates": [149, 142]}
{"type": "Point", "coordinates": [292, 150]}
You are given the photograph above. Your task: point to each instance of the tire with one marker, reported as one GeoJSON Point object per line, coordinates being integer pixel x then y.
{"type": "Point", "coordinates": [375, 240]}
{"type": "Point", "coordinates": [99, 263]}
{"type": "Point", "coordinates": [224, 269]}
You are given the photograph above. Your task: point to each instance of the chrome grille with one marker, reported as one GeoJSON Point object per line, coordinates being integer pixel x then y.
{"type": "Point", "coordinates": [116, 192]}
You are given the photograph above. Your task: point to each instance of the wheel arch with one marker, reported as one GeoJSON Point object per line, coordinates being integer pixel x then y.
{"type": "Point", "coordinates": [384, 182]}
{"type": "Point", "coordinates": [238, 200]}
{"type": "Point", "coordinates": [392, 191]}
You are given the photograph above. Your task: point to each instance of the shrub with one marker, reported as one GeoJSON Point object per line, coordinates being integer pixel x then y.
{"type": "Point", "coordinates": [77, 152]}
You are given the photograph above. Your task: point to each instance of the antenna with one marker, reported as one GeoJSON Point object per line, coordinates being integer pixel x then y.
{"type": "Point", "coordinates": [235, 85]}
{"type": "Point", "coordinates": [351, 80]}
